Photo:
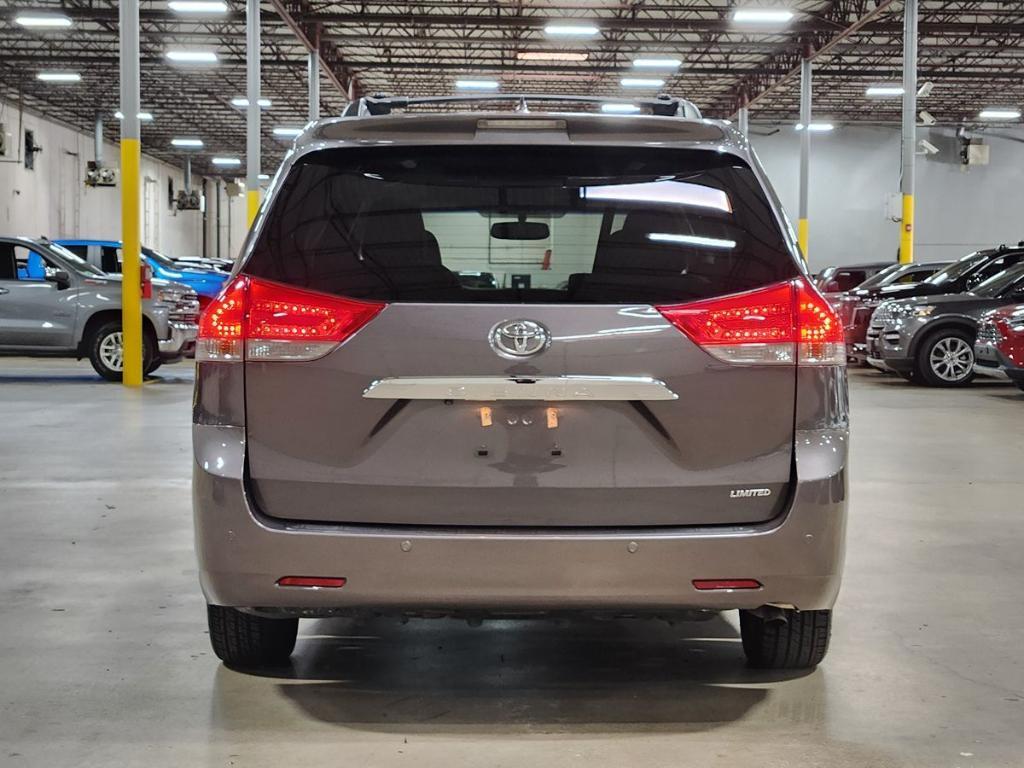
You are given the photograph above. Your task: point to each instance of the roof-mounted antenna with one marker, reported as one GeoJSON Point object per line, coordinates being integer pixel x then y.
{"type": "Point", "coordinates": [522, 106]}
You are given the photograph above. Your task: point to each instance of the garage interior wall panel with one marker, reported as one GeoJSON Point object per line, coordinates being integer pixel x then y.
{"type": "Point", "coordinates": [53, 200]}
{"type": "Point", "coordinates": [229, 227]}
{"type": "Point", "coordinates": [854, 168]}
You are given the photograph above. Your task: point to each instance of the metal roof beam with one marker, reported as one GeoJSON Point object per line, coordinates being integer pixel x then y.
{"type": "Point", "coordinates": [307, 31]}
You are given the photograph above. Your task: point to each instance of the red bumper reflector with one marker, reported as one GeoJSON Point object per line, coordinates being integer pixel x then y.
{"type": "Point", "coordinates": [706, 584]}
{"type": "Point", "coordinates": [311, 581]}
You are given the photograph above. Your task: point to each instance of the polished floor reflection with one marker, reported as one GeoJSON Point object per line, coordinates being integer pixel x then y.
{"type": "Point", "coordinates": [104, 659]}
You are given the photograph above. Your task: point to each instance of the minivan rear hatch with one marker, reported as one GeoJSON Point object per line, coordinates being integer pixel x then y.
{"type": "Point", "coordinates": [510, 336]}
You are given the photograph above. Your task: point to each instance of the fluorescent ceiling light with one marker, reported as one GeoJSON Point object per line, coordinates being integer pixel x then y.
{"type": "Point", "coordinates": [571, 30]}
{"type": "Point", "coordinates": [264, 177]}
{"type": "Point", "coordinates": [884, 91]}
{"type": "Point", "coordinates": [551, 56]}
{"type": "Point", "coordinates": [620, 109]}
{"type": "Point", "coordinates": [241, 101]}
{"type": "Point", "coordinates": [192, 57]}
{"type": "Point", "coordinates": [477, 85]}
{"type": "Point", "coordinates": [817, 127]}
{"type": "Point", "coordinates": [186, 142]}
{"type": "Point", "coordinates": [143, 116]}
{"type": "Point", "coordinates": [662, 192]}
{"type": "Point", "coordinates": [59, 77]}
{"type": "Point", "coordinates": [289, 132]}
{"type": "Point", "coordinates": [226, 161]}
{"type": "Point", "coordinates": [762, 15]}
{"type": "Point", "coordinates": [999, 113]}
{"type": "Point", "coordinates": [642, 82]}
{"type": "Point", "coordinates": [657, 63]}
{"type": "Point", "coordinates": [701, 242]}
{"type": "Point", "coordinates": [42, 20]}
{"type": "Point", "coordinates": [197, 6]}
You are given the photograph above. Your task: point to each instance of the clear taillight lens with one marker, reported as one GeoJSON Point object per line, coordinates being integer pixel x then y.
{"type": "Point", "coordinates": [782, 324]}
{"type": "Point", "coordinates": [220, 335]}
{"type": "Point", "coordinates": [258, 320]}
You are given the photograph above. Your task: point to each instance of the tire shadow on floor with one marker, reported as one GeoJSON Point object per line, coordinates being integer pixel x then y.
{"type": "Point", "coordinates": [522, 675]}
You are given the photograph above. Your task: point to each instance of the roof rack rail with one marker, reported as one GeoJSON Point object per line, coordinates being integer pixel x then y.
{"type": "Point", "coordinates": [383, 104]}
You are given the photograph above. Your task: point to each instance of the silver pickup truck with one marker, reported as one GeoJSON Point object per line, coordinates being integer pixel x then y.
{"type": "Point", "coordinates": [54, 303]}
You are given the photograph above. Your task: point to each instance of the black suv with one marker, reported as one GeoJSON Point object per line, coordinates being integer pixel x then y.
{"type": "Point", "coordinates": [963, 274]}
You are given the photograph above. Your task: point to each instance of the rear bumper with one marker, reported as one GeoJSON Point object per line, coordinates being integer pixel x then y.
{"type": "Point", "coordinates": [242, 553]}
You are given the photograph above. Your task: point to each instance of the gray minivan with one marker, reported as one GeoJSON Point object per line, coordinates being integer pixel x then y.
{"type": "Point", "coordinates": [644, 413]}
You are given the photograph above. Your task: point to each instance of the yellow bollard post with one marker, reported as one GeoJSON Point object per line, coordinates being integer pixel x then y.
{"type": "Point", "coordinates": [907, 231]}
{"type": "Point", "coordinates": [131, 271]}
{"type": "Point", "coordinates": [252, 198]}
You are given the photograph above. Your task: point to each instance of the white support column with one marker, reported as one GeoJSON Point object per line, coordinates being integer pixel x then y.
{"type": "Point", "coordinates": [314, 85]}
{"type": "Point", "coordinates": [131, 246]}
{"type": "Point", "coordinates": [252, 124]}
{"type": "Point", "coordinates": [909, 142]}
{"type": "Point", "coordinates": [802, 226]}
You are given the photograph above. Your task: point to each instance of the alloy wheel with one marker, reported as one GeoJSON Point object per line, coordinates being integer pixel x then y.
{"type": "Point", "coordinates": [112, 351]}
{"type": "Point", "coordinates": [951, 359]}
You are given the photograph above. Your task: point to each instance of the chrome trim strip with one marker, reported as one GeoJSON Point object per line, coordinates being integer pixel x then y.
{"type": "Point", "coordinates": [549, 388]}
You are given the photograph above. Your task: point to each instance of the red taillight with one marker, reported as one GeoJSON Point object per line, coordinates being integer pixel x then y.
{"type": "Point", "coordinates": [220, 335]}
{"type": "Point", "coordinates": [709, 584]}
{"type": "Point", "coordinates": [776, 325]}
{"type": "Point", "coordinates": [326, 582]}
{"type": "Point", "coordinates": [204, 301]}
{"type": "Point", "coordinates": [260, 320]}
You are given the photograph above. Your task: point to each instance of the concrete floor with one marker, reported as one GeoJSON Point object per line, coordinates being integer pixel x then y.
{"type": "Point", "coordinates": [104, 658]}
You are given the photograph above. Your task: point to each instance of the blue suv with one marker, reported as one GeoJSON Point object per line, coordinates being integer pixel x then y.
{"type": "Point", "coordinates": [106, 255]}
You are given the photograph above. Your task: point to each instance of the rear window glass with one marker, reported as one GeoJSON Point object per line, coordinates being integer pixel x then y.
{"type": "Point", "coordinates": [522, 225]}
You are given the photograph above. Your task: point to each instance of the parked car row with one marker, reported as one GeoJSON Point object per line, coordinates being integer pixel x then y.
{"type": "Point", "coordinates": [63, 299]}
{"type": "Point", "coordinates": [106, 254]}
{"type": "Point", "coordinates": [924, 322]}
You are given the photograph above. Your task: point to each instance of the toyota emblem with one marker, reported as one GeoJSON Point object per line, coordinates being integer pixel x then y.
{"type": "Point", "coordinates": [514, 339]}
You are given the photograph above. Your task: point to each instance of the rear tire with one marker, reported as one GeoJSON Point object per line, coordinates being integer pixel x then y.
{"type": "Point", "coordinates": [946, 359]}
{"type": "Point", "coordinates": [244, 640]}
{"type": "Point", "coordinates": [793, 640]}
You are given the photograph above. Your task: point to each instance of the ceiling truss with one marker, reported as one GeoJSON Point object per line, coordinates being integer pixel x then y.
{"type": "Point", "coordinates": [971, 50]}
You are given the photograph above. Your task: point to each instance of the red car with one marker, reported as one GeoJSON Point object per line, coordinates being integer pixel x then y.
{"type": "Point", "coordinates": [999, 348]}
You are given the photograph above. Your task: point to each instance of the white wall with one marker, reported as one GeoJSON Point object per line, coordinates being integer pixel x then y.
{"type": "Point", "coordinates": [230, 224]}
{"type": "Point", "coordinates": [52, 199]}
{"type": "Point", "coordinates": [853, 169]}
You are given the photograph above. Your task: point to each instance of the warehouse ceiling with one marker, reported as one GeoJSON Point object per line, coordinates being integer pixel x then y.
{"type": "Point", "coordinates": [972, 53]}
